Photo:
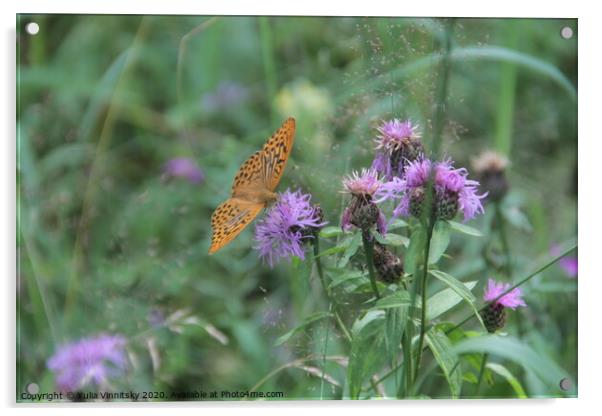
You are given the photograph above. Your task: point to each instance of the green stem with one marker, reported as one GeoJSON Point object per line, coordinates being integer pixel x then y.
{"type": "Point", "coordinates": [369, 249]}
{"type": "Point", "coordinates": [269, 62]}
{"type": "Point", "coordinates": [316, 245]}
{"type": "Point", "coordinates": [501, 225]}
{"type": "Point", "coordinates": [443, 86]}
{"type": "Point", "coordinates": [481, 373]}
{"type": "Point", "coordinates": [425, 266]}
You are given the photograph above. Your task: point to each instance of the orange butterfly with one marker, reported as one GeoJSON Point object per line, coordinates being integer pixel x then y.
{"type": "Point", "coordinates": [253, 187]}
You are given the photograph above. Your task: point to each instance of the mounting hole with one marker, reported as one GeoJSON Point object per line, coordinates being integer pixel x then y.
{"type": "Point", "coordinates": [33, 388]}
{"type": "Point", "coordinates": [32, 28]}
{"type": "Point", "coordinates": [566, 32]}
{"type": "Point", "coordinates": [565, 384]}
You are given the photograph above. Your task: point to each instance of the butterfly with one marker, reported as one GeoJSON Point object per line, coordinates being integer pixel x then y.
{"type": "Point", "coordinates": [253, 187]}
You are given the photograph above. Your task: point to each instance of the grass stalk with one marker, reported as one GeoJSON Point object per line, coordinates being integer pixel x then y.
{"type": "Point", "coordinates": [337, 316]}
{"type": "Point", "coordinates": [269, 61]}
{"type": "Point", "coordinates": [481, 373]}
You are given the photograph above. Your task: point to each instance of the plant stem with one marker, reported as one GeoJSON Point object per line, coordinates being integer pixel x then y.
{"type": "Point", "coordinates": [269, 61]}
{"type": "Point", "coordinates": [369, 249]}
{"type": "Point", "coordinates": [501, 225]}
{"type": "Point", "coordinates": [316, 245]}
{"type": "Point", "coordinates": [443, 85]}
{"type": "Point", "coordinates": [425, 266]}
{"type": "Point", "coordinates": [481, 373]}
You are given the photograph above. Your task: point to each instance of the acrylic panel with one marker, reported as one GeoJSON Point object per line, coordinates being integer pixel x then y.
{"type": "Point", "coordinates": [295, 208]}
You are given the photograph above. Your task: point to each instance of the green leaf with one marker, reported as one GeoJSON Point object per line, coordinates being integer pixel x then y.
{"type": "Point", "coordinates": [345, 276]}
{"type": "Point", "coordinates": [395, 321]}
{"type": "Point", "coordinates": [391, 239]}
{"type": "Point", "coordinates": [513, 381]}
{"type": "Point", "coordinates": [415, 250]}
{"type": "Point", "coordinates": [397, 223]}
{"type": "Point", "coordinates": [365, 321]}
{"type": "Point", "coordinates": [465, 229]}
{"type": "Point", "coordinates": [330, 231]}
{"type": "Point", "coordinates": [439, 241]}
{"type": "Point", "coordinates": [447, 359]}
{"type": "Point", "coordinates": [367, 352]}
{"type": "Point", "coordinates": [351, 249]}
{"type": "Point", "coordinates": [513, 349]}
{"type": "Point", "coordinates": [443, 301]}
{"type": "Point", "coordinates": [460, 289]}
{"type": "Point", "coordinates": [395, 300]}
{"type": "Point", "coordinates": [310, 319]}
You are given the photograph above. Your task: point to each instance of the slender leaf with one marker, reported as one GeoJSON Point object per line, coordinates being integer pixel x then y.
{"type": "Point", "coordinates": [391, 239]}
{"type": "Point", "coordinates": [414, 251]}
{"type": "Point", "coordinates": [447, 359]}
{"type": "Point", "coordinates": [465, 229]}
{"type": "Point", "coordinates": [395, 300]}
{"type": "Point", "coordinates": [330, 231]}
{"type": "Point", "coordinates": [513, 349]}
{"type": "Point", "coordinates": [443, 301]}
{"type": "Point", "coordinates": [439, 241]}
{"type": "Point", "coordinates": [510, 378]}
{"type": "Point", "coordinates": [367, 352]}
{"type": "Point", "coordinates": [351, 249]}
{"type": "Point", "coordinates": [310, 319]}
{"type": "Point", "coordinates": [460, 289]}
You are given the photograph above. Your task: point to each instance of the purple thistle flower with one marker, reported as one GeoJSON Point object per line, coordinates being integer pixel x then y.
{"type": "Point", "coordinates": [512, 299]}
{"type": "Point", "coordinates": [362, 211]}
{"type": "Point", "coordinates": [568, 264]}
{"type": "Point", "coordinates": [89, 360]}
{"type": "Point", "coordinates": [184, 168]}
{"type": "Point", "coordinates": [452, 189]}
{"type": "Point", "coordinates": [397, 143]}
{"type": "Point", "coordinates": [394, 133]}
{"type": "Point", "coordinates": [367, 183]}
{"type": "Point", "coordinates": [382, 164]}
{"type": "Point", "coordinates": [290, 222]}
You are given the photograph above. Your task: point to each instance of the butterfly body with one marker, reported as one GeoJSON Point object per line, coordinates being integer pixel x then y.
{"type": "Point", "coordinates": [253, 187]}
{"type": "Point", "coordinates": [258, 195]}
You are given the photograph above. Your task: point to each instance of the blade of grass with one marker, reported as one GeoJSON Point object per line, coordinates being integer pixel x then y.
{"type": "Point", "coordinates": [507, 91]}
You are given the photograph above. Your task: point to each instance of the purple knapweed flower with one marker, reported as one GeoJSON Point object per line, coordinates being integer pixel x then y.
{"type": "Point", "coordinates": [394, 133]}
{"type": "Point", "coordinates": [512, 299]}
{"type": "Point", "coordinates": [89, 360]}
{"type": "Point", "coordinates": [453, 191]}
{"type": "Point", "coordinates": [362, 211]}
{"type": "Point", "coordinates": [184, 168]}
{"type": "Point", "coordinates": [288, 224]}
{"type": "Point", "coordinates": [494, 313]}
{"type": "Point", "coordinates": [568, 264]}
{"type": "Point", "coordinates": [397, 144]}
{"type": "Point", "coordinates": [366, 183]}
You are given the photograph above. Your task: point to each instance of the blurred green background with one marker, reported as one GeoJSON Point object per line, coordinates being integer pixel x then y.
{"type": "Point", "coordinates": [108, 242]}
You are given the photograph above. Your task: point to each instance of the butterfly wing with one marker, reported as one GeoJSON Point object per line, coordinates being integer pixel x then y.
{"type": "Point", "coordinates": [229, 219]}
{"type": "Point", "coordinates": [275, 153]}
{"type": "Point", "coordinates": [250, 173]}
{"type": "Point", "coordinates": [263, 169]}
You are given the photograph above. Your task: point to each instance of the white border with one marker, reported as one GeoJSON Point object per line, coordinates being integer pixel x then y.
{"type": "Point", "coordinates": [589, 185]}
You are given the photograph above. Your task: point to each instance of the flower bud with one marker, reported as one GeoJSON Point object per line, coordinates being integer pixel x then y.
{"type": "Point", "coordinates": [490, 168]}
{"type": "Point", "coordinates": [494, 317]}
{"type": "Point", "coordinates": [388, 266]}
